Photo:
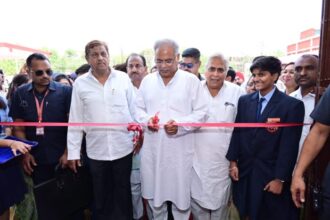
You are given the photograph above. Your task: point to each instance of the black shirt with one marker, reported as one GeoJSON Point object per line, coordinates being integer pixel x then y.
{"type": "Point", "coordinates": [321, 112]}
{"type": "Point", "coordinates": [55, 109]}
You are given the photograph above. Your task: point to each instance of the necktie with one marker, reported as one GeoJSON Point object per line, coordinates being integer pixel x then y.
{"type": "Point", "coordinates": [259, 107]}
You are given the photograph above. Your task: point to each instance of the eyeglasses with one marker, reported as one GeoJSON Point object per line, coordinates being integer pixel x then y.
{"type": "Point", "coordinates": [167, 62]}
{"type": "Point", "coordinates": [213, 69]}
{"type": "Point", "coordinates": [49, 72]}
{"type": "Point", "coordinates": [186, 65]}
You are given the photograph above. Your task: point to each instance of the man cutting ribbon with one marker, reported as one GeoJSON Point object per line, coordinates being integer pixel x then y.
{"type": "Point", "coordinates": [167, 153]}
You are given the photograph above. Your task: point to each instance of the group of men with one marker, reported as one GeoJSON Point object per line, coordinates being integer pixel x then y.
{"type": "Point", "coordinates": [180, 163]}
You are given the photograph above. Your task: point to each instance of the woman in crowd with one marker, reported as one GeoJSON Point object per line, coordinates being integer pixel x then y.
{"type": "Point", "coordinates": [17, 81]}
{"type": "Point", "coordinates": [288, 78]}
{"type": "Point", "coordinates": [12, 185]}
{"type": "Point", "coordinates": [63, 79]}
{"type": "Point", "coordinates": [250, 86]}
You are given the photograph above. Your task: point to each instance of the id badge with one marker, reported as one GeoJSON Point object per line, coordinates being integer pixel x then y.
{"type": "Point", "coordinates": [40, 131]}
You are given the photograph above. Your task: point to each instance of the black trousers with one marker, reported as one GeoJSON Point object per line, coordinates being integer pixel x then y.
{"type": "Point", "coordinates": [112, 188]}
{"type": "Point", "coordinates": [325, 212]}
{"type": "Point", "coordinates": [42, 173]}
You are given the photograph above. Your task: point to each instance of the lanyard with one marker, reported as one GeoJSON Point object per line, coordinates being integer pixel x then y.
{"type": "Point", "coordinates": [40, 106]}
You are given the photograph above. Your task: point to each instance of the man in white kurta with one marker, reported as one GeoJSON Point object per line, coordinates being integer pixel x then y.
{"type": "Point", "coordinates": [167, 152]}
{"type": "Point", "coordinates": [136, 70]}
{"type": "Point", "coordinates": [211, 183]}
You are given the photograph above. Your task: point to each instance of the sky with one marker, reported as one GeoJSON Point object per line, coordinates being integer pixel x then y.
{"type": "Point", "coordinates": [232, 27]}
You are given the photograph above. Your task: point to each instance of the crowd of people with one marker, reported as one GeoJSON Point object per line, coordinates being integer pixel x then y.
{"type": "Point", "coordinates": [176, 168]}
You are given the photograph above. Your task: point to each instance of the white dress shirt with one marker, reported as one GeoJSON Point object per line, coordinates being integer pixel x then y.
{"type": "Point", "coordinates": [211, 182]}
{"type": "Point", "coordinates": [309, 103]}
{"type": "Point", "coordinates": [166, 160]}
{"type": "Point", "coordinates": [97, 103]}
{"type": "Point", "coordinates": [267, 97]}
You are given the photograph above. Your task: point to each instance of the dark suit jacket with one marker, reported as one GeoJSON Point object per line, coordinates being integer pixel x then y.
{"type": "Point", "coordinates": [263, 155]}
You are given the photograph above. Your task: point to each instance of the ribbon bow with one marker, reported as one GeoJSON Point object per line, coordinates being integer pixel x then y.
{"type": "Point", "coordinates": [137, 137]}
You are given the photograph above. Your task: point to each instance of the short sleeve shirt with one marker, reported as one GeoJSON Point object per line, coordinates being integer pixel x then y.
{"type": "Point", "coordinates": [321, 112]}
{"type": "Point", "coordinates": [55, 109]}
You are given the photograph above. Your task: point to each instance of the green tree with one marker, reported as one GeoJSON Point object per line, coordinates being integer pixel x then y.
{"type": "Point", "coordinates": [11, 66]}
{"type": "Point", "coordinates": [68, 62]}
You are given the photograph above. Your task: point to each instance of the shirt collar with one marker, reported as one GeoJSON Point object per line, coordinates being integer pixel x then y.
{"type": "Point", "coordinates": [112, 74]}
{"type": "Point", "coordinates": [51, 86]}
{"type": "Point", "coordinates": [269, 95]}
{"type": "Point", "coordinates": [223, 87]}
{"type": "Point", "coordinates": [173, 78]}
{"type": "Point", "coordinates": [308, 94]}
{"type": "Point", "coordinates": [200, 77]}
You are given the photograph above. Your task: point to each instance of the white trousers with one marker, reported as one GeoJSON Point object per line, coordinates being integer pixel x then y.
{"type": "Point", "coordinates": [160, 213]}
{"type": "Point", "coordinates": [136, 194]}
{"type": "Point", "coordinates": [200, 213]}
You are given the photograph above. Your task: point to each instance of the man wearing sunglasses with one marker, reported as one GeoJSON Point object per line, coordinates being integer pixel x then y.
{"type": "Point", "coordinates": [42, 100]}
{"type": "Point", "coordinates": [191, 62]}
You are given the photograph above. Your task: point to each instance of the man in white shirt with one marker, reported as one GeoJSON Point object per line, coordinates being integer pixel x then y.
{"type": "Point", "coordinates": [306, 73]}
{"type": "Point", "coordinates": [136, 70]}
{"type": "Point", "coordinates": [210, 188]}
{"type": "Point", "coordinates": [136, 67]}
{"type": "Point", "coordinates": [104, 95]}
{"type": "Point", "coordinates": [167, 153]}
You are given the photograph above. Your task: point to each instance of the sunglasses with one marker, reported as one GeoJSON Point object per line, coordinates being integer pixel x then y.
{"type": "Point", "coordinates": [186, 65]}
{"type": "Point", "coordinates": [49, 72]}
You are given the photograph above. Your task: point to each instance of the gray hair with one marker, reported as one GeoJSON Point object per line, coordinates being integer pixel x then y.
{"type": "Point", "coordinates": [219, 56]}
{"type": "Point", "coordinates": [169, 42]}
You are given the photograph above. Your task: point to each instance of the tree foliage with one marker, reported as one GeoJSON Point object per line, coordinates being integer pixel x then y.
{"type": "Point", "coordinates": [11, 66]}
{"type": "Point", "coordinates": [66, 62]}
{"type": "Point", "coordinates": [70, 60]}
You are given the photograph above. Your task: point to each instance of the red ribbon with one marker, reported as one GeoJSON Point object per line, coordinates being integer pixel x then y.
{"type": "Point", "coordinates": [138, 132]}
{"type": "Point", "coordinates": [91, 124]}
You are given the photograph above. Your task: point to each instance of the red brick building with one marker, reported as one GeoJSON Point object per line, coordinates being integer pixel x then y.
{"type": "Point", "coordinates": [14, 51]}
{"type": "Point", "coordinates": [309, 42]}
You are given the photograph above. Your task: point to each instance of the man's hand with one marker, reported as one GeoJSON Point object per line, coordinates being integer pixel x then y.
{"type": "Point", "coordinates": [171, 128]}
{"type": "Point", "coordinates": [233, 171]}
{"type": "Point", "coordinates": [63, 161]}
{"type": "Point", "coordinates": [138, 145]}
{"type": "Point", "coordinates": [74, 164]}
{"type": "Point", "coordinates": [153, 124]}
{"type": "Point", "coordinates": [274, 186]}
{"type": "Point", "coordinates": [28, 163]}
{"type": "Point", "coordinates": [298, 188]}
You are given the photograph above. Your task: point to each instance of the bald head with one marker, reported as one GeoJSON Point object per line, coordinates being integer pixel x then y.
{"type": "Point", "coordinates": [306, 71]}
{"type": "Point", "coordinates": [310, 57]}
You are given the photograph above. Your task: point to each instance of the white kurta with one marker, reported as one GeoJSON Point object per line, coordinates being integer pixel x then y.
{"type": "Point", "coordinates": [166, 160]}
{"type": "Point", "coordinates": [211, 182]}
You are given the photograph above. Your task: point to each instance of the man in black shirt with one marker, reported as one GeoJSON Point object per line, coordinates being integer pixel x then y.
{"type": "Point", "coordinates": [191, 62]}
{"type": "Point", "coordinates": [312, 146]}
{"type": "Point", "coordinates": [42, 100]}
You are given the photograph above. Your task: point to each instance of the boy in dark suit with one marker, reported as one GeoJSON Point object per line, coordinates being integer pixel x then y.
{"type": "Point", "coordinates": [262, 159]}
